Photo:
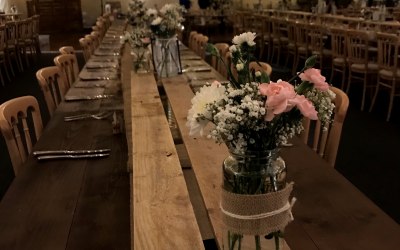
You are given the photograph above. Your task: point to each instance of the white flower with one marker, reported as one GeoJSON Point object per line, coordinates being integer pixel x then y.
{"type": "Point", "coordinates": [247, 37]}
{"type": "Point", "coordinates": [156, 21]}
{"type": "Point", "coordinates": [199, 115]}
{"type": "Point", "coordinates": [232, 49]}
{"type": "Point", "coordinates": [151, 12]}
{"type": "Point", "coordinates": [239, 66]}
{"type": "Point", "coordinates": [258, 73]}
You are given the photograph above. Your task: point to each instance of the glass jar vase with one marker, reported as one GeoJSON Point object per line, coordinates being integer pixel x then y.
{"type": "Point", "coordinates": [166, 56]}
{"type": "Point", "coordinates": [248, 179]}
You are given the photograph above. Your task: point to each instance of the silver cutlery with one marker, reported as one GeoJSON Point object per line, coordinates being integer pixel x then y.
{"type": "Point", "coordinates": [202, 78]}
{"type": "Point", "coordinates": [71, 152]}
{"type": "Point", "coordinates": [197, 70]}
{"type": "Point", "coordinates": [98, 116]}
{"type": "Point", "coordinates": [78, 156]}
{"type": "Point", "coordinates": [94, 97]}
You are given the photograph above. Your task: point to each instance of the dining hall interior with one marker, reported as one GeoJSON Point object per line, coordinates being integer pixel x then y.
{"type": "Point", "coordinates": [111, 162]}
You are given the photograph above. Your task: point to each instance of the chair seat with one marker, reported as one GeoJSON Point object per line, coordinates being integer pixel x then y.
{"type": "Point", "coordinates": [360, 67]}
{"type": "Point", "coordinates": [302, 49]}
{"type": "Point", "coordinates": [388, 74]}
{"type": "Point", "coordinates": [340, 61]}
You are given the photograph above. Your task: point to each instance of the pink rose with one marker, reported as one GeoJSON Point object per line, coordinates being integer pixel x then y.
{"type": "Point", "coordinates": [278, 96]}
{"type": "Point", "coordinates": [305, 106]}
{"type": "Point", "coordinates": [216, 83]}
{"type": "Point", "coordinates": [146, 40]}
{"type": "Point", "coordinates": [314, 76]}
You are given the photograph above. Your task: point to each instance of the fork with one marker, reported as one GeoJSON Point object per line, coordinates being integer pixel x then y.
{"type": "Point", "coordinates": [98, 116]}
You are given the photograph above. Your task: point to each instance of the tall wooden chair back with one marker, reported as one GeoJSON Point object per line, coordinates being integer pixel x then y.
{"type": "Point", "coordinates": [191, 42]}
{"type": "Point", "coordinates": [215, 62]}
{"type": "Point", "coordinates": [339, 53]}
{"type": "Point", "coordinates": [325, 140]}
{"type": "Point", "coordinates": [53, 86]}
{"type": "Point", "coordinates": [20, 119]}
{"type": "Point", "coordinates": [67, 50]}
{"type": "Point", "coordinates": [360, 67]}
{"type": "Point", "coordinates": [389, 71]}
{"type": "Point", "coordinates": [68, 65]}
{"type": "Point", "coordinates": [86, 48]}
{"type": "Point", "coordinates": [3, 58]}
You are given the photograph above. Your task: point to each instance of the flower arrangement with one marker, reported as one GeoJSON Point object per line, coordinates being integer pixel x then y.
{"type": "Point", "coordinates": [137, 12]}
{"type": "Point", "coordinates": [252, 113]}
{"type": "Point", "coordinates": [169, 20]}
{"type": "Point", "coordinates": [139, 40]}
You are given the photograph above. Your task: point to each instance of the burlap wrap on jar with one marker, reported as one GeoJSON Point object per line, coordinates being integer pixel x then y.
{"type": "Point", "coordinates": [259, 214]}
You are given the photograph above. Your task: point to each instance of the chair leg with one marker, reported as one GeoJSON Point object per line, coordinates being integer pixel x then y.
{"type": "Point", "coordinates": [332, 74]}
{"type": "Point", "coordinates": [375, 96]}
{"type": "Point", "coordinates": [349, 82]}
{"type": "Point", "coordinates": [393, 89]}
{"type": "Point", "coordinates": [343, 76]}
{"type": "Point", "coordinates": [364, 92]}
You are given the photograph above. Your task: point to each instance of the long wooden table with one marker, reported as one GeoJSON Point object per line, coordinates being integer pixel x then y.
{"type": "Point", "coordinates": [72, 204]}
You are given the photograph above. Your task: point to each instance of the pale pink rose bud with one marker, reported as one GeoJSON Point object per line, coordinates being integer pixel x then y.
{"type": "Point", "coordinates": [314, 76]}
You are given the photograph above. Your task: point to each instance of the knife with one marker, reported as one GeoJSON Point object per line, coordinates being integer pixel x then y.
{"type": "Point", "coordinates": [94, 97]}
{"type": "Point", "coordinates": [71, 152]}
{"type": "Point", "coordinates": [197, 70]}
{"type": "Point", "coordinates": [62, 157]}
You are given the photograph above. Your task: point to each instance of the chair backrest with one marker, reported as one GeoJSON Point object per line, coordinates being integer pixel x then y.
{"type": "Point", "coordinates": [301, 33]}
{"type": "Point", "coordinates": [86, 48]}
{"type": "Point", "coordinates": [91, 42]}
{"type": "Point", "coordinates": [3, 36]}
{"type": "Point", "coordinates": [191, 42]}
{"type": "Point", "coordinates": [35, 29]}
{"type": "Point", "coordinates": [260, 66]}
{"type": "Point", "coordinates": [16, 117]}
{"type": "Point", "coordinates": [338, 42]}
{"type": "Point", "coordinates": [68, 65]}
{"type": "Point", "coordinates": [388, 51]}
{"type": "Point", "coordinates": [325, 141]}
{"type": "Point", "coordinates": [357, 46]}
{"type": "Point", "coordinates": [215, 62]}
{"type": "Point", "coordinates": [67, 50]}
{"type": "Point", "coordinates": [53, 86]}
{"type": "Point", "coordinates": [12, 33]}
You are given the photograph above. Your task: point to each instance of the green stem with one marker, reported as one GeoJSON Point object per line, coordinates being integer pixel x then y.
{"type": "Point", "coordinates": [276, 238]}
{"type": "Point", "coordinates": [258, 242]}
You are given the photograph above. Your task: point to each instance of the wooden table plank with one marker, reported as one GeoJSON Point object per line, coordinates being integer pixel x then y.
{"type": "Point", "coordinates": [205, 155]}
{"type": "Point", "coordinates": [163, 215]}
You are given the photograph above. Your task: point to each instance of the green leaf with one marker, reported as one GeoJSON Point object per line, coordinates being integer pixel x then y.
{"type": "Point", "coordinates": [310, 62]}
{"type": "Point", "coordinates": [210, 48]}
{"type": "Point", "coordinates": [264, 77]}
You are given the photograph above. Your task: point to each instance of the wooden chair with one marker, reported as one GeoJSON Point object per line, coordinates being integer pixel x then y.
{"type": "Point", "coordinates": [279, 40]}
{"type": "Point", "coordinates": [12, 49]}
{"type": "Point", "coordinates": [35, 32]}
{"type": "Point", "coordinates": [302, 44]}
{"type": "Point", "coordinates": [67, 50]}
{"type": "Point", "coordinates": [360, 66]}
{"type": "Point", "coordinates": [25, 41]}
{"type": "Point", "coordinates": [317, 45]}
{"type": "Point", "coordinates": [16, 115]}
{"type": "Point", "coordinates": [266, 38]}
{"type": "Point", "coordinates": [53, 86]}
{"type": "Point", "coordinates": [215, 62]}
{"type": "Point", "coordinates": [261, 66]}
{"type": "Point", "coordinates": [86, 48]}
{"type": "Point", "coordinates": [3, 55]}
{"type": "Point", "coordinates": [200, 46]}
{"type": "Point", "coordinates": [191, 42]}
{"type": "Point", "coordinates": [389, 71]}
{"type": "Point", "coordinates": [68, 65]}
{"type": "Point", "coordinates": [339, 53]}
{"type": "Point", "coordinates": [325, 141]}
